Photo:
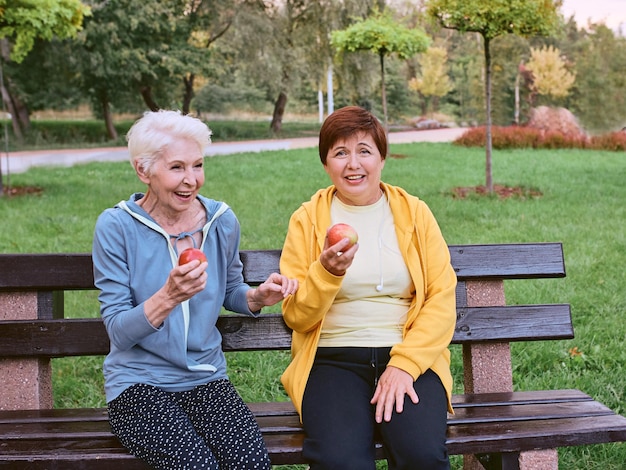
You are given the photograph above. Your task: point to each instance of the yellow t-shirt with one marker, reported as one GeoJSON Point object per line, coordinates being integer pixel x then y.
{"type": "Point", "coordinates": [371, 307]}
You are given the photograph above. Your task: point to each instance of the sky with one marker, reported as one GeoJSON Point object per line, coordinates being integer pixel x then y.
{"type": "Point", "coordinates": [611, 12]}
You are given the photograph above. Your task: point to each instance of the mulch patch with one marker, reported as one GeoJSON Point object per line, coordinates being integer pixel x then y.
{"type": "Point", "coordinates": [22, 190]}
{"type": "Point", "coordinates": [502, 191]}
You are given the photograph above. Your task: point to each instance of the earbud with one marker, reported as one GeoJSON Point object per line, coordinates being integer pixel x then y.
{"type": "Point", "coordinates": [379, 287]}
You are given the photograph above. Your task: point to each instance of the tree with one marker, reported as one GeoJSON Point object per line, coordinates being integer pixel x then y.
{"type": "Point", "coordinates": [492, 19]}
{"type": "Point", "coordinates": [148, 53]}
{"type": "Point", "coordinates": [434, 80]}
{"type": "Point", "coordinates": [22, 22]}
{"type": "Point", "coordinates": [550, 76]}
{"type": "Point", "coordinates": [382, 35]}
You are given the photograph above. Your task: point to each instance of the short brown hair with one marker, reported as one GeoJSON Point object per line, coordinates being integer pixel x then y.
{"type": "Point", "coordinates": [346, 122]}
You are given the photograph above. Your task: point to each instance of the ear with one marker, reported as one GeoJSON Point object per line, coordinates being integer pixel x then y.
{"type": "Point", "coordinates": [143, 176]}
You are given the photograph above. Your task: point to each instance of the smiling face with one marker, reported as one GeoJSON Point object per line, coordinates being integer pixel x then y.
{"type": "Point", "coordinates": [354, 165]}
{"type": "Point", "coordinates": [175, 178]}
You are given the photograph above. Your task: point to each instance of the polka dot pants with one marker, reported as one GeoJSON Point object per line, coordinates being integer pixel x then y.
{"type": "Point", "coordinates": [208, 427]}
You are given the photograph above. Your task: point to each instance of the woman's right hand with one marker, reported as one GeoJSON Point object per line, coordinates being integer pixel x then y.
{"type": "Point", "coordinates": [183, 282]}
{"type": "Point", "coordinates": [186, 280]}
{"type": "Point", "coordinates": [337, 258]}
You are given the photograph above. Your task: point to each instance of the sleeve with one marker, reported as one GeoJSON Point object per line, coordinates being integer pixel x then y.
{"type": "Point", "coordinates": [125, 321]}
{"type": "Point", "coordinates": [230, 233]}
{"type": "Point", "coordinates": [317, 289]}
{"type": "Point", "coordinates": [431, 327]}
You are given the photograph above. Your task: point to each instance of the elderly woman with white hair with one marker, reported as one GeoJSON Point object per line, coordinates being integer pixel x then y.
{"type": "Point", "coordinates": [169, 398]}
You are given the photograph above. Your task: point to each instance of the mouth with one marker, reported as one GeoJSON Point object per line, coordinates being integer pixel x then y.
{"type": "Point", "coordinates": [355, 177]}
{"type": "Point", "coordinates": [184, 194]}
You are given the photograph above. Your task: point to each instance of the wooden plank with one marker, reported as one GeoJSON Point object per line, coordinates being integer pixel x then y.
{"type": "Point", "coordinates": [69, 271]}
{"type": "Point", "coordinates": [536, 434]}
{"type": "Point", "coordinates": [513, 323]}
{"type": "Point", "coordinates": [56, 271]}
{"type": "Point", "coordinates": [508, 261]}
{"type": "Point", "coordinates": [286, 408]}
{"type": "Point", "coordinates": [56, 428]}
{"type": "Point", "coordinates": [84, 337]}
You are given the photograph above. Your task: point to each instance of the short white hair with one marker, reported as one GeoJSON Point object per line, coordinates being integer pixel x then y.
{"type": "Point", "coordinates": [150, 135]}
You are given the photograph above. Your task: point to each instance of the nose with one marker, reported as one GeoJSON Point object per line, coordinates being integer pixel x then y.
{"type": "Point", "coordinates": [189, 178]}
{"type": "Point", "coordinates": [353, 161]}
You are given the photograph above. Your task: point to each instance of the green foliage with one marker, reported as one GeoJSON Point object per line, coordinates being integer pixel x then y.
{"type": "Point", "coordinates": [497, 17]}
{"type": "Point", "coordinates": [382, 35]}
{"type": "Point", "coordinates": [24, 21]}
{"type": "Point", "coordinates": [598, 97]}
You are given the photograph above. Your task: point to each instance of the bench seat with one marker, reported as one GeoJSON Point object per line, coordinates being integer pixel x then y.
{"type": "Point", "coordinates": [483, 423]}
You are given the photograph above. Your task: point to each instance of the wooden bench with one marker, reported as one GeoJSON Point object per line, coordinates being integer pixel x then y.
{"type": "Point", "coordinates": [493, 425]}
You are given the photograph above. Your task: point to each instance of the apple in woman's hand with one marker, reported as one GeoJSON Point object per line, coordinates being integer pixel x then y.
{"type": "Point", "coordinates": [340, 231]}
{"type": "Point", "coordinates": [190, 254]}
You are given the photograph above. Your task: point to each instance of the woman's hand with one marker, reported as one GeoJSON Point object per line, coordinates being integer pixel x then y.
{"type": "Point", "coordinates": [272, 291]}
{"type": "Point", "coordinates": [334, 259]}
{"type": "Point", "coordinates": [392, 386]}
{"type": "Point", "coordinates": [183, 282]}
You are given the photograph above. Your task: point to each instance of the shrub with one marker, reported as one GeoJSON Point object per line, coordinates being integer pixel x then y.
{"type": "Point", "coordinates": [612, 141]}
{"type": "Point", "coordinates": [517, 137]}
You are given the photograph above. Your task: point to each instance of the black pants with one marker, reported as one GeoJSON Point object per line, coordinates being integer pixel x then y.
{"type": "Point", "coordinates": [339, 419]}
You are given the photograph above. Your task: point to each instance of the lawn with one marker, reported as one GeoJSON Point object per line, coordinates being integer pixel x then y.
{"type": "Point", "coordinates": [581, 204]}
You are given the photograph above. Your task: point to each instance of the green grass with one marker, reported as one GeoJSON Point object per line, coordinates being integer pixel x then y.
{"type": "Point", "coordinates": [582, 206]}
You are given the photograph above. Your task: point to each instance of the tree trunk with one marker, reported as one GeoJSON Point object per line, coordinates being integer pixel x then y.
{"type": "Point", "coordinates": [108, 119]}
{"type": "Point", "coordinates": [517, 81]}
{"type": "Point", "coordinates": [11, 108]}
{"type": "Point", "coordinates": [146, 94]}
{"type": "Point", "coordinates": [329, 85]}
{"type": "Point", "coordinates": [188, 93]}
{"type": "Point", "coordinates": [279, 112]}
{"type": "Point", "coordinates": [488, 144]}
{"type": "Point", "coordinates": [383, 91]}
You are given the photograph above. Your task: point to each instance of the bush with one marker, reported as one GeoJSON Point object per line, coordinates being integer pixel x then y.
{"type": "Point", "coordinates": [519, 137]}
{"type": "Point", "coordinates": [612, 141]}
{"type": "Point", "coordinates": [62, 133]}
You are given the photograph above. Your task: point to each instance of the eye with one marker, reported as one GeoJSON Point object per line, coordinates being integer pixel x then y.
{"type": "Point", "coordinates": [199, 165]}
{"type": "Point", "coordinates": [340, 154]}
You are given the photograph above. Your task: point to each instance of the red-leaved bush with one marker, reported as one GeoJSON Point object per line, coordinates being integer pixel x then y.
{"type": "Point", "coordinates": [517, 137]}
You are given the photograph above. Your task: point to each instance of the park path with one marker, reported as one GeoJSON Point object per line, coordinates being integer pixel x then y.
{"type": "Point", "coordinates": [19, 162]}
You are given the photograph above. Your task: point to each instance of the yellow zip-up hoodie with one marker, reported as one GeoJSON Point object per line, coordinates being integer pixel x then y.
{"type": "Point", "coordinates": [432, 315]}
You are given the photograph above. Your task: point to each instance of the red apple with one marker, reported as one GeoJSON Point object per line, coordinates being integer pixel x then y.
{"type": "Point", "coordinates": [340, 231]}
{"type": "Point", "coordinates": [190, 254]}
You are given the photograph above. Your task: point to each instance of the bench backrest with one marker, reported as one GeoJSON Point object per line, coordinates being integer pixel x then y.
{"type": "Point", "coordinates": [476, 265]}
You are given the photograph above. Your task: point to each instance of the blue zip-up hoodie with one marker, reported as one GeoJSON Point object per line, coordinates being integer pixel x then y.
{"type": "Point", "coordinates": [132, 258]}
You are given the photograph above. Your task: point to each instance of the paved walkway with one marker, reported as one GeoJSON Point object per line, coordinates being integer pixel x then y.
{"type": "Point", "coordinates": [19, 162]}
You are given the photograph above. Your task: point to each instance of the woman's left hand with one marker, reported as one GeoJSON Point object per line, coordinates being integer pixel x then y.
{"type": "Point", "coordinates": [273, 290]}
{"type": "Point", "coordinates": [392, 386]}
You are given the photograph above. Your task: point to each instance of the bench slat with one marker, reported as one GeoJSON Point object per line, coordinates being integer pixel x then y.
{"type": "Point", "coordinates": [537, 434]}
{"type": "Point", "coordinates": [69, 271]}
{"type": "Point", "coordinates": [92, 426]}
{"type": "Point", "coordinates": [286, 408]}
{"type": "Point", "coordinates": [87, 336]}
